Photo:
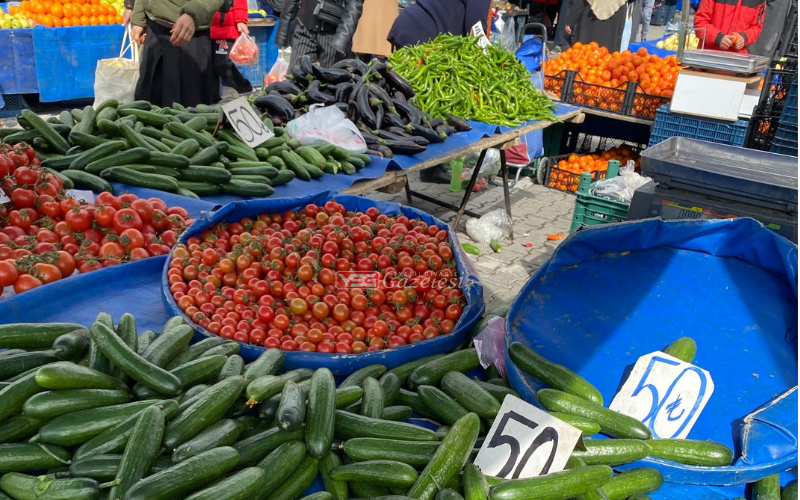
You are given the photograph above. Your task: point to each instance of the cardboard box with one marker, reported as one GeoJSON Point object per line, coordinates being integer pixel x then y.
{"type": "Point", "coordinates": [710, 95]}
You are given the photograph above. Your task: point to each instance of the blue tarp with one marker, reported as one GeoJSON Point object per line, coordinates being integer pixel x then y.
{"type": "Point", "coordinates": [611, 294]}
{"type": "Point", "coordinates": [650, 45]}
{"type": "Point", "coordinates": [17, 62]}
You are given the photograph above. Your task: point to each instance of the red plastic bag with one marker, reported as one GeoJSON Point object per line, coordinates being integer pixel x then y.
{"type": "Point", "coordinates": [244, 51]}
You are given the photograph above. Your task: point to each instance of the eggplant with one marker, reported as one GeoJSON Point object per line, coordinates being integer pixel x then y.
{"type": "Point", "coordinates": [329, 75]}
{"type": "Point", "coordinates": [305, 65]}
{"type": "Point", "coordinates": [342, 106]}
{"type": "Point", "coordinates": [383, 96]}
{"type": "Point", "coordinates": [354, 91]}
{"type": "Point", "coordinates": [399, 83]}
{"type": "Point", "coordinates": [315, 94]}
{"type": "Point", "coordinates": [372, 152]}
{"type": "Point", "coordinates": [389, 136]}
{"type": "Point", "coordinates": [352, 66]}
{"type": "Point", "coordinates": [376, 68]}
{"type": "Point", "coordinates": [442, 131]}
{"type": "Point", "coordinates": [369, 138]}
{"type": "Point", "coordinates": [286, 86]}
{"type": "Point", "coordinates": [364, 109]}
{"type": "Point", "coordinates": [378, 116]}
{"type": "Point", "coordinates": [383, 150]}
{"type": "Point", "coordinates": [399, 131]}
{"type": "Point", "coordinates": [398, 96]}
{"type": "Point", "coordinates": [297, 76]}
{"type": "Point", "coordinates": [392, 119]}
{"type": "Point", "coordinates": [435, 122]}
{"type": "Point", "coordinates": [404, 148]}
{"type": "Point", "coordinates": [276, 105]}
{"type": "Point", "coordinates": [352, 112]}
{"type": "Point", "coordinates": [425, 132]}
{"type": "Point", "coordinates": [457, 123]}
{"type": "Point", "coordinates": [413, 114]}
{"type": "Point", "coordinates": [447, 129]}
{"type": "Point", "coordinates": [341, 91]}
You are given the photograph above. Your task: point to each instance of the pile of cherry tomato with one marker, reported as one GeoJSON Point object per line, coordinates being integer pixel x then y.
{"type": "Point", "coordinates": [276, 280]}
{"type": "Point", "coordinates": [46, 235]}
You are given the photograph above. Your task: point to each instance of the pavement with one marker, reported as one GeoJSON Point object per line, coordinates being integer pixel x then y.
{"type": "Point", "coordinates": [537, 212]}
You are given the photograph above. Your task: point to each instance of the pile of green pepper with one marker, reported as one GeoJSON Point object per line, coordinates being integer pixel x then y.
{"type": "Point", "coordinates": [453, 74]}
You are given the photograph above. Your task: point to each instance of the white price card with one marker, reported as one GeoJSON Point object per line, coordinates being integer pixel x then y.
{"type": "Point", "coordinates": [665, 394]}
{"type": "Point", "coordinates": [525, 441]}
{"type": "Point", "coordinates": [3, 197]}
{"type": "Point", "coordinates": [477, 30]}
{"type": "Point", "coordinates": [246, 123]}
{"type": "Point", "coordinates": [80, 194]}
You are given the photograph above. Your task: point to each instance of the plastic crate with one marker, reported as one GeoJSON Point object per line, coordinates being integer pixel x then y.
{"type": "Point", "coordinates": [591, 210]}
{"type": "Point", "coordinates": [13, 105]}
{"type": "Point", "coordinates": [789, 113]}
{"type": "Point", "coordinates": [659, 16]}
{"type": "Point", "coordinates": [785, 140]}
{"type": "Point", "coordinates": [669, 124]}
{"type": "Point", "coordinates": [566, 181]}
{"type": "Point", "coordinates": [598, 96]}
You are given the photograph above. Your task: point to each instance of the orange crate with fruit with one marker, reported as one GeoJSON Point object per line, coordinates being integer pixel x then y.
{"type": "Point", "coordinates": [565, 170]}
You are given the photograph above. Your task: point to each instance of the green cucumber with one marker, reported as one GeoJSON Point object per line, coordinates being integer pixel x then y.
{"type": "Point", "coordinates": [397, 413]}
{"type": "Point", "coordinates": [181, 130]}
{"type": "Point", "coordinates": [233, 367]}
{"type": "Point", "coordinates": [197, 123]}
{"type": "Point", "coordinates": [132, 364]}
{"type": "Point", "coordinates": [126, 330]}
{"type": "Point", "coordinates": [65, 375]}
{"type": "Point", "coordinates": [25, 487]}
{"type": "Point", "coordinates": [127, 157]}
{"type": "Point", "coordinates": [412, 400]}
{"type": "Point", "coordinates": [268, 363]}
{"type": "Point", "coordinates": [345, 396]}
{"type": "Point", "coordinates": [279, 464]}
{"type": "Point", "coordinates": [189, 374]}
{"type": "Point", "coordinates": [141, 451]}
{"type": "Point", "coordinates": [107, 127]}
{"type": "Point", "coordinates": [691, 452]}
{"type": "Point", "coordinates": [254, 448]}
{"type": "Point", "coordinates": [14, 396]}
{"type": "Point", "coordinates": [87, 180]}
{"type": "Point", "coordinates": [767, 488]}
{"type": "Point", "coordinates": [185, 477]}
{"type": "Point", "coordinates": [448, 494]}
{"type": "Point", "coordinates": [499, 392]}
{"type": "Point", "coordinates": [645, 480]}
{"type": "Point", "coordinates": [156, 146]}
{"type": "Point", "coordinates": [554, 375]}
{"type": "Point", "coordinates": [432, 372]}
{"type": "Point", "coordinates": [198, 173]}
{"type": "Point", "coordinates": [586, 426]}
{"type": "Point", "coordinates": [320, 495]}
{"type": "Point", "coordinates": [320, 415]}
{"type": "Point", "coordinates": [414, 453]}
{"type": "Point", "coordinates": [292, 409]}
{"type": "Point", "coordinates": [168, 345]}
{"type": "Point", "coordinates": [390, 383]}
{"type": "Point", "coordinates": [267, 386]}
{"type": "Point", "coordinates": [446, 409]}
{"type": "Point", "coordinates": [171, 160]}
{"type": "Point", "coordinates": [96, 153]}
{"type": "Point", "coordinates": [283, 177]}
{"type": "Point", "coordinates": [199, 188]}
{"type": "Point", "coordinates": [23, 457]}
{"type": "Point", "coordinates": [449, 459]}
{"type": "Point", "coordinates": [611, 423]}
{"type": "Point", "coordinates": [186, 148]}
{"type": "Point", "coordinates": [311, 156]}
{"type": "Point", "coordinates": [378, 472]}
{"type": "Point", "coordinates": [236, 152]}
{"type": "Point", "coordinates": [141, 179]}
{"type": "Point", "coordinates": [145, 339]}
{"type": "Point", "coordinates": [564, 484]}
{"type": "Point", "coordinates": [240, 486]}
{"type": "Point", "coordinates": [47, 131]}
{"type": "Point", "coordinates": [72, 346]}
{"type": "Point", "coordinates": [471, 395]}
{"type": "Point", "coordinates": [685, 349]}
{"type": "Point", "coordinates": [33, 335]}
{"type": "Point", "coordinates": [240, 187]}
{"type": "Point", "coordinates": [337, 490]}
{"type": "Point", "coordinates": [140, 104]}
{"type": "Point", "coordinates": [405, 370]}
{"type": "Point", "coordinates": [146, 117]}
{"type": "Point", "coordinates": [204, 156]}
{"type": "Point", "coordinates": [224, 432]}
{"type": "Point", "coordinates": [97, 467]}
{"type": "Point", "coordinates": [60, 163]}
{"type": "Point", "coordinates": [162, 136]}
{"type": "Point", "coordinates": [19, 428]}
{"type": "Point", "coordinates": [348, 425]}
{"type": "Point", "coordinates": [298, 481]}
{"type": "Point", "coordinates": [364, 490]}
{"type": "Point", "coordinates": [16, 364]}
{"type": "Point", "coordinates": [358, 376]}
{"type": "Point", "coordinates": [50, 404]}
{"type": "Point", "coordinates": [373, 400]}
{"type": "Point", "coordinates": [78, 427]}
{"type": "Point", "coordinates": [194, 351]}
{"type": "Point", "coordinates": [474, 482]}
{"type": "Point", "coordinates": [612, 451]}
{"type": "Point", "coordinates": [790, 491]}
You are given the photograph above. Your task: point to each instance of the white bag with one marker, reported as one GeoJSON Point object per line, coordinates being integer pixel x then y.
{"type": "Point", "coordinates": [116, 78]}
{"type": "Point", "coordinates": [327, 125]}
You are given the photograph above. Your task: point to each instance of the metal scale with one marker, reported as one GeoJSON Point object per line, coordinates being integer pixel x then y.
{"type": "Point", "coordinates": [702, 180]}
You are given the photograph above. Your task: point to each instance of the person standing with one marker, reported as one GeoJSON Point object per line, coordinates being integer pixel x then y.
{"type": "Point", "coordinates": [644, 19]}
{"type": "Point", "coordinates": [601, 21]}
{"type": "Point", "coordinates": [324, 29]}
{"type": "Point", "coordinates": [177, 61]}
{"type": "Point", "coordinates": [225, 28]}
{"type": "Point", "coordinates": [729, 24]}
{"type": "Point", "coordinates": [426, 19]}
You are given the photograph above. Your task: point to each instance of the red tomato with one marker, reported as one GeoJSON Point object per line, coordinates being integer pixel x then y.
{"type": "Point", "coordinates": [127, 218]}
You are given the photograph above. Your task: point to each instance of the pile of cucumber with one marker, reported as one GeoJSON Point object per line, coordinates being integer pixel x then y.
{"type": "Point", "coordinates": [171, 149]}
{"type": "Point", "coordinates": [106, 413]}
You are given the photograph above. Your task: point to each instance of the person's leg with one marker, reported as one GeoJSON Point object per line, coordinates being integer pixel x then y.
{"type": "Point", "coordinates": [226, 70]}
{"type": "Point", "coordinates": [562, 38]}
{"type": "Point", "coordinates": [647, 13]}
{"type": "Point", "coordinates": [326, 53]}
{"type": "Point", "coordinates": [302, 43]}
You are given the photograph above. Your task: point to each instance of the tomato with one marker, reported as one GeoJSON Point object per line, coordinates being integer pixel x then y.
{"type": "Point", "coordinates": [23, 198]}
{"type": "Point", "coordinates": [47, 273]}
{"type": "Point", "coordinates": [111, 250]}
{"type": "Point", "coordinates": [127, 218]}
{"type": "Point", "coordinates": [145, 210]}
{"type": "Point", "coordinates": [26, 282]}
{"type": "Point", "coordinates": [65, 263]}
{"type": "Point", "coordinates": [131, 239]}
{"type": "Point", "coordinates": [22, 218]}
{"type": "Point", "coordinates": [78, 219]}
{"type": "Point", "coordinates": [8, 273]}
{"type": "Point", "coordinates": [104, 215]}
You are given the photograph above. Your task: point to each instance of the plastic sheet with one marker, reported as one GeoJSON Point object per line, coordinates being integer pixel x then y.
{"type": "Point", "coordinates": [613, 293]}
{"type": "Point", "coordinates": [17, 63]}
{"type": "Point", "coordinates": [342, 364]}
{"type": "Point", "coordinates": [455, 141]}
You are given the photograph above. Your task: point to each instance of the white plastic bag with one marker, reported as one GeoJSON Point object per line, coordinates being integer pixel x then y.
{"type": "Point", "coordinates": [244, 51]}
{"type": "Point", "coordinates": [327, 125]}
{"type": "Point", "coordinates": [278, 71]}
{"type": "Point", "coordinates": [116, 78]}
{"type": "Point", "coordinates": [495, 225]}
{"type": "Point", "coordinates": [621, 187]}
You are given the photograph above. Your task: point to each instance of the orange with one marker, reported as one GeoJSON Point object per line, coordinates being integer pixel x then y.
{"type": "Point", "coordinates": [84, 20]}
{"type": "Point", "coordinates": [93, 10]}
{"type": "Point", "coordinates": [93, 21]}
{"type": "Point", "coordinates": [101, 19]}
{"type": "Point", "coordinates": [57, 22]}
{"type": "Point", "coordinates": [13, 9]}
{"type": "Point", "coordinates": [47, 20]}
{"type": "Point", "coordinates": [118, 19]}
{"type": "Point", "coordinates": [57, 11]}
{"type": "Point", "coordinates": [37, 7]}
{"type": "Point", "coordinates": [66, 22]}
{"type": "Point", "coordinates": [86, 10]}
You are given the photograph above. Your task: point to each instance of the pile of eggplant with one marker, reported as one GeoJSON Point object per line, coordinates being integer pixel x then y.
{"type": "Point", "coordinates": [376, 99]}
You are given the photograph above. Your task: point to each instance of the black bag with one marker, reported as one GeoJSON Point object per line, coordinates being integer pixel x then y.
{"type": "Point", "coordinates": [224, 9]}
{"type": "Point", "coordinates": [329, 12]}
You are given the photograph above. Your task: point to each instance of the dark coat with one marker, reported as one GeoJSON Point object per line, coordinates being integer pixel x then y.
{"type": "Point", "coordinates": [344, 32]}
{"type": "Point", "coordinates": [425, 20]}
{"type": "Point", "coordinates": [586, 28]}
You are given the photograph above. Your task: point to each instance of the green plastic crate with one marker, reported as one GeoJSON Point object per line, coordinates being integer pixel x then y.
{"type": "Point", "coordinates": [592, 210]}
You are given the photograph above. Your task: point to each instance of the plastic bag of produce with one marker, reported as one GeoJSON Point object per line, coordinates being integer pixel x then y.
{"type": "Point", "coordinates": [244, 51]}
{"type": "Point", "coordinates": [116, 78]}
{"type": "Point", "coordinates": [495, 225]}
{"type": "Point", "coordinates": [278, 71]}
{"type": "Point", "coordinates": [621, 187]}
{"type": "Point", "coordinates": [327, 125]}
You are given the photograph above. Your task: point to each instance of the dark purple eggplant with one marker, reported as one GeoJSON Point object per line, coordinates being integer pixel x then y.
{"type": "Point", "coordinates": [399, 83]}
{"type": "Point", "coordinates": [398, 96]}
{"type": "Point", "coordinates": [342, 106]}
{"type": "Point", "coordinates": [447, 129]}
{"type": "Point", "coordinates": [404, 137]}
{"type": "Point", "coordinates": [391, 119]}
{"type": "Point", "coordinates": [399, 131]}
{"type": "Point", "coordinates": [408, 111]}
{"type": "Point", "coordinates": [352, 66]}
{"type": "Point", "coordinates": [329, 75]}
{"type": "Point", "coordinates": [364, 108]}
{"type": "Point", "coordinates": [383, 150]}
{"type": "Point", "coordinates": [305, 65]}
{"type": "Point", "coordinates": [342, 91]}
{"type": "Point", "coordinates": [404, 148]}
{"type": "Point", "coordinates": [425, 132]}
{"type": "Point", "coordinates": [297, 76]}
{"type": "Point", "coordinates": [369, 138]}
{"type": "Point", "coordinates": [378, 116]}
{"type": "Point", "coordinates": [276, 105]}
{"type": "Point", "coordinates": [457, 123]}
{"type": "Point", "coordinates": [284, 86]}
{"type": "Point", "coordinates": [372, 152]}
{"type": "Point", "coordinates": [352, 112]}
{"type": "Point", "coordinates": [383, 96]}
{"type": "Point", "coordinates": [354, 90]}
{"type": "Point", "coordinates": [442, 131]}
{"type": "Point", "coordinates": [377, 70]}
{"type": "Point", "coordinates": [435, 122]}
{"type": "Point", "coordinates": [315, 94]}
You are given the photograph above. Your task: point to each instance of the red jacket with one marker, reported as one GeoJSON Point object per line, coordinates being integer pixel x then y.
{"type": "Point", "coordinates": [237, 14]}
{"type": "Point", "coordinates": [725, 17]}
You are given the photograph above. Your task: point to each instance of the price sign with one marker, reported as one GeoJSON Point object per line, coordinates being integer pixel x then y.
{"type": "Point", "coordinates": [80, 194]}
{"type": "Point", "coordinates": [525, 441]}
{"type": "Point", "coordinates": [477, 31]}
{"type": "Point", "coordinates": [665, 394]}
{"type": "Point", "coordinates": [3, 197]}
{"type": "Point", "coordinates": [245, 122]}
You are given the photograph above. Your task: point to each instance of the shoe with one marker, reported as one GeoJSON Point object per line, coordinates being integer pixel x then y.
{"type": "Point", "coordinates": [435, 175]}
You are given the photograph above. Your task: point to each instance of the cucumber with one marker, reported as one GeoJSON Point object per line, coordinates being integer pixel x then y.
{"type": "Point", "coordinates": [88, 181]}
{"type": "Point", "coordinates": [267, 386]}
{"type": "Point", "coordinates": [358, 376]}
{"type": "Point", "coordinates": [23, 457]}
{"type": "Point", "coordinates": [691, 452]}
{"type": "Point", "coordinates": [66, 375]}
{"type": "Point", "coordinates": [141, 179]}
{"type": "Point", "coordinates": [24, 487]}
{"type": "Point", "coordinates": [51, 404]}
{"type": "Point", "coordinates": [586, 426]}
{"type": "Point", "coordinates": [320, 495]}
{"type": "Point", "coordinates": [72, 346]}
{"type": "Point", "coordinates": [254, 174]}
{"type": "Point", "coordinates": [268, 363]}
{"type": "Point", "coordinates": [398, 413]}
{"type": "Point", "coordinates": [141, 104]}
{"type": "Point", "coordinates": [80, 426]}
{"type": "Point", "coordinates": [298, 481]}
{"type": "Point", "coordinates": [240, 486]}
{"type": "Point", "coordinates": [167, 346]}
{"type": "Point", "coordinates": [345, 396]}
{"type": "Point", "coordinates": [15, 364]}
{"type": "Point", "coordinates": [60, 163]}
{"type": "Point", "coordinates": [141, 451]}
{"type": "Point", "coordinates": [499, 392]}
{"type": "Point", "coordinates": [321, 408]}
{"type": "Point", "coordinates": [236, 152]}
{"type": "Point", "coordinates": [446, 409]}
{"type": "Point", "coordinates": [224, 432]}
{"type": "Point", "coordinates": [296, 165]}
{"type": "Point", "coordinates": [645, 480]}
{"type": "Point", "coordinates": [471, 395]}
{"type": "Point", "coordinates": [87, 123]}
{"type": "Point", "coordinates": [405, 370]}
{"type": "Point", "coordinates": [146, 117]}
{"type": "Point", "coordinates": [187, 476]}
{"type": "Point", "coordinates": [14, 396]}
{"type": "Point", "coordinates": [414, 453]}
{"type": "Point", "coordinates": [189, 374]}
{"type": "Point", "coordinates": [685, 349]}
{"type": "Point", "coordinates": [449, 459]}
{"type": "Point", "coordinates": [155, 145]}
{"type": "Point", "coordinates": [128, 157]}
{"type": "Point", "coordinates": [279, 464]}
{"type": "Point", "coordinates": [239, 187]}
{"type": "Point", "coordinates": [160, 135]}
{"type": "Point", "coordinates": [377, 472]}
{"type": "Point", "coordinates": [611, 423]}
{"type": "Point", "coordinates": [187, 148]}
{"type": "Point", "coordinates": [767, 488]}
{"type": "Point", "coordinates": [197, 123]}
{"type": "Point", "coordinates": [145, 339]}
{"type": "Point", "coordinates": [97, 467]}
{"type": "Point", "coordinates": [275, 161]}
{"type": "Point", "coordinates": [432, 372]}
{"type": "Point", "coordinates": [565, 484]}
{"type": "Point", "coordinates": [233, 367]}
{"type": "Point", "coordinates": [107, 127]}
{"type": "Point", "coordinates": [448, 494]}
{"type": "Point", "coordinates": [311, 156]}
{"type": "Point", "coordinates": [47, 131]}
{"type": "Point", "coordinates": [790, 491]}
{"type": "Point", "coordinates": [33, 335]}
{"type": "Point", "coordinates": [554, 375]}
{"type": "Point", "coordinates": [612, 451]}
{"type": "Point", "coordinates": [106, 114]}
{"type": "Point", "coordinates": [474, 482]}
{"type": "Point", "coordinates": [227, 348]}
{"type": "Point", "coordinates": [364, 490]}
{"type": "Point", "coordinates": [373, 400]}
{"type": "Point", "coordinates": [348, 425]}
{"type": "Point", "coordinates": [213, 175]}
{"type": "Point", "coordinates": [204, 156]}
{"type": "Point", "coordinates": [412, 400]}
{"type": "Point", "coordinates": [132, 364]}
{"type": "Point", "coordinates": [19, 428]}
{"type": "Point", "coordinates": [292, 409]}
{"type": "Point", "coordinates": [163, 171]}
{"type": "Point", "coordinates": [199, 188]}
{"type": "Point", "coordinates": [181, 130]}
{"type": "Point", "coordinates": [254, 448]}
{"type": "Point", "coordinates": [207, 410]}
{"type": "Point", "coordinates": [336, 489]}
{"type": "Point", "coordinates": [171, 160]}
{"type": "Point", "coordinates": [194, 352]}
{"type": "Point", "coordinates": [390, 383]}
{"type": "Point", "coordinates": [103, 150]}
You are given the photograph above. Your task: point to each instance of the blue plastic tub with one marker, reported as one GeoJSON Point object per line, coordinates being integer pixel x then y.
{"type": "Point", "coordinates": [343, 364]}
{"type": "Point", "coordinates": [611, 294]}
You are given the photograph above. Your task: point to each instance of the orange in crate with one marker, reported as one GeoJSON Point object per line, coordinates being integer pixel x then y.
{"type": "Point", "coordinates": [566, 174]}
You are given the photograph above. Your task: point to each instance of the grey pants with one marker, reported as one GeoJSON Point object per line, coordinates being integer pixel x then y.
{"type": "Point", "coordinates": [317, 44]}
{"type": "Point", "coordinates": [647, 13]}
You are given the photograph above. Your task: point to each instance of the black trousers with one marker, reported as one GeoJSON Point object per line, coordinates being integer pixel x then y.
{"type": "Point", "coordinates": [225, 69]}
{"type": "Point", "coordinates": [171, 74]}
{"type": "Point", "coordinates": [317, 44]}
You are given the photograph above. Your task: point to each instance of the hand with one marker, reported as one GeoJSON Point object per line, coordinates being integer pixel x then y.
{"type": "Point", "coordinates": [739, 43]}
{"type": "Point", "coordinates": [182, 31]}
{"type": "Point", "coordinates": [726, 42]}
{"type": "Point", "coordinates": [137, 35]}
{"type": "Point", "coordinates": [126, 16]}
{"type": "Point", "coordinates": [568, 29]}
{"type": "Point", "coordinates": [242, 27]}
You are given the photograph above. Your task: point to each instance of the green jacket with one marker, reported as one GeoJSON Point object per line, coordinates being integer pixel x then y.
{"type": "Point", "coordinates": [168, 11]}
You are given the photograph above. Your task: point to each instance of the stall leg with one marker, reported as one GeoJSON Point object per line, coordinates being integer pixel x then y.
{"type": "Point", "coordinates": [472, 181]}
{"type": "Point", "coordinates": [408, 192]}
{"type": "Point", "coordinates": [506, 194]}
